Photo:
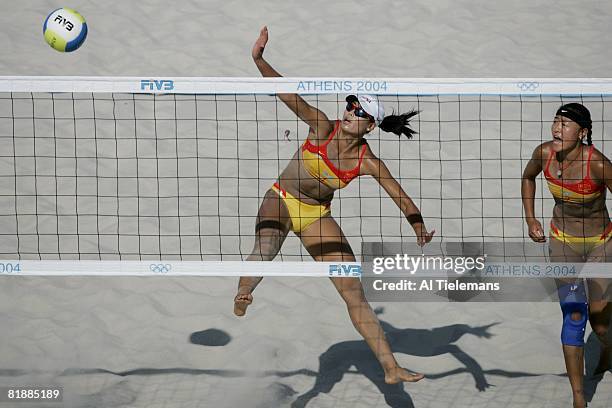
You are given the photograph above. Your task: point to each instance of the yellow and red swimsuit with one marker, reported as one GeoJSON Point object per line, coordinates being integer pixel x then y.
{"type": "Point", "coordinates": [581, 192]}
{"type": "Point", "coordinates": [318, 165]}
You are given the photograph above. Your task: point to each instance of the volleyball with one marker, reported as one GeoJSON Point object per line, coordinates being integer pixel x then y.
{"type": "Point", "coordinates": [65, 30]}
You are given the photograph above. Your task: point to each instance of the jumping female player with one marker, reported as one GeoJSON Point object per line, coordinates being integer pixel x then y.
{"type": "Point", "coordinates": [580, 230]}
{"type": "Point", "coordinates": [334, 153]}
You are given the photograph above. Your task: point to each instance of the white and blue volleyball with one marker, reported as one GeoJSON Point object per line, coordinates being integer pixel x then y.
{"type": "Point", "coordinates": [65, 30]}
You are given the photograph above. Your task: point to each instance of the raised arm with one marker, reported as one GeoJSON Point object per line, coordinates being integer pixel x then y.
{"type": "Point", "coordinates": [528, 189]}
{"type": "Point", "coordinates": [377, 169]}
{"type": "Point", "coordinates": [317, 120]}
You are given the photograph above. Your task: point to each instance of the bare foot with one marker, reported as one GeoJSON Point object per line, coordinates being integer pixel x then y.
{"type": "Point", "coordinates": [399, 374]}
{"type": "Point", "coordinates": [242, 300]}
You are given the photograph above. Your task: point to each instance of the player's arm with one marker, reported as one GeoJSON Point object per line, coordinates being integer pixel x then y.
{"type": "Point", "coordinates": [601, 169]}
{"type": "Point", "coordinates": [317, 120]}
{"type": "Point", "coordinates": [376, 168]}
{"type": "Point", "coordinates": [528, 190]}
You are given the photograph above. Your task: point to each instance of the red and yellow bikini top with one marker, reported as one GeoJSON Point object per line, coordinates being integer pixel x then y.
{"type": "Point", "coordinates": [319, 166]}
{"type": "Point", "coordinates": [580, 192]}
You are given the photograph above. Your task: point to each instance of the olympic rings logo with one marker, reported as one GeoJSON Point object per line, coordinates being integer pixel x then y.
{"type": "Point", "coordinates": [160, 268]}
{"type": "Point", "coordinates": [528, 86]}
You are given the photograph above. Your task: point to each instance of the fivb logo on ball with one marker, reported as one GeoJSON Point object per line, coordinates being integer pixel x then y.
{"type": "Point", "coordinates": [65, 30]}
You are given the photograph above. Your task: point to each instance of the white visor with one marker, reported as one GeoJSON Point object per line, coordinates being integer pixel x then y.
{"type": "Point", "coordinates": [371, 105]}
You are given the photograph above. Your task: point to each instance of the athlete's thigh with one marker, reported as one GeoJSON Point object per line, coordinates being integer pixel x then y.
{"type": "Point", "coordinates": [560, 251]}
{"type": "Point", "coordinates": [273, 216]}
{"type": "Point", "coordinates": [600, 288]}
{"type": "Point", "coordinates": [325, 241]}
{"type": "Point", "coordinates": [602, 253]}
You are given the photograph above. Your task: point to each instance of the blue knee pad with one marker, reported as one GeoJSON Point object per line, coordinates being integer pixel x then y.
{"type": "Point", "coordinates": [572, 298]}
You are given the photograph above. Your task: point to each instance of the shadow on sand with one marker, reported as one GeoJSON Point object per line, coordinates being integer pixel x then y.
{"type": "Point", "coordinates": [355, 357]}
{"type": "Point", "coordinates": [337, 360]}
{"type": "Point", "coordinates": [592, 349]}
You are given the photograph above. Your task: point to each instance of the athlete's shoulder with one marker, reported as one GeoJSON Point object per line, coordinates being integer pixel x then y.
{"type": "Point", "coordinates": [324, 133]}
{"type": "Point", "coordinates": [542, 151]}
{"type": "Point", "coordinates": [371, 164]}
{"type": "Point", "coordinates": [600, 165]}
{"type": "Point", "coordinates": [597, 156]}
{"type": "Point", "coordinates": [368, 154]}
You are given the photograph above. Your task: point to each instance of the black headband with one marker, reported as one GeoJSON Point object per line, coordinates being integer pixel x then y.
{"type": "Point", "coordinates": [576, 112]}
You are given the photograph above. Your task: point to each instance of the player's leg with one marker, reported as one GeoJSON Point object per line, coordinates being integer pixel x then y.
{"type": "Point", "coordinates": [600, 306]}
{"type": "Point", "coordinates": [572, 298]}
{"type": "Point", "coordinates": [272, 225]}
{"type": "Point", "coordinates": [326, 242]}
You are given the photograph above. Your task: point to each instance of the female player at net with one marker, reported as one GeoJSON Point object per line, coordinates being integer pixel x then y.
{"type": "Point", "coordinates": [580, 230]}
{"type": "Point", "coordinates": [334, 153]}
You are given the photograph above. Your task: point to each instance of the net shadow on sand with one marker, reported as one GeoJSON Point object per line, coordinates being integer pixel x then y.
{"type": "Point", "coordinates": [346, 357]}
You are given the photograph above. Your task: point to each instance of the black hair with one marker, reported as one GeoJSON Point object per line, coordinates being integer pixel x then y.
{"type": "Point", "coordinates": [589, 141]}
{"type": "Point", "coordinates": [399, 124]}
{"type": "Point", "coordinates": [579, 114]}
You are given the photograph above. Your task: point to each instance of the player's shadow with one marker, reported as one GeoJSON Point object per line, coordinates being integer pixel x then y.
{"type": "Point", "coordinates": [340, 357]}
{"type": "Point", "coordinates": [592, 350]}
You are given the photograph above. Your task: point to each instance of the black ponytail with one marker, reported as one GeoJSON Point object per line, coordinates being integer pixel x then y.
{"type": "Point", "coordinates": [399, 124]}
{"type": "Point", "coordinates": [589, 141]}
{"type": "Point", "coordinates": [587, 138]}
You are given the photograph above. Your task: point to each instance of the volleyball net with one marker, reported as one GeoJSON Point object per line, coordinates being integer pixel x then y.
{"type": "Point", "coordinates": [139, 175]}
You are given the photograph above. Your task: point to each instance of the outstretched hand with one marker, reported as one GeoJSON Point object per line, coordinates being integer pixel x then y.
{"type": "Point", "coordinates": [260, 44]}
{"type": "Point", "coordinates": [483, 331]}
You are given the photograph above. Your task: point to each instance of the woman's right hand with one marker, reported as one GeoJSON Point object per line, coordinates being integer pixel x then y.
{"type": "Point", "coordinates": [260, 44]}
{"type": "Point", "coordinates": [536, 232]}
{"type": "Point", "coordinates": [423, 237]}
